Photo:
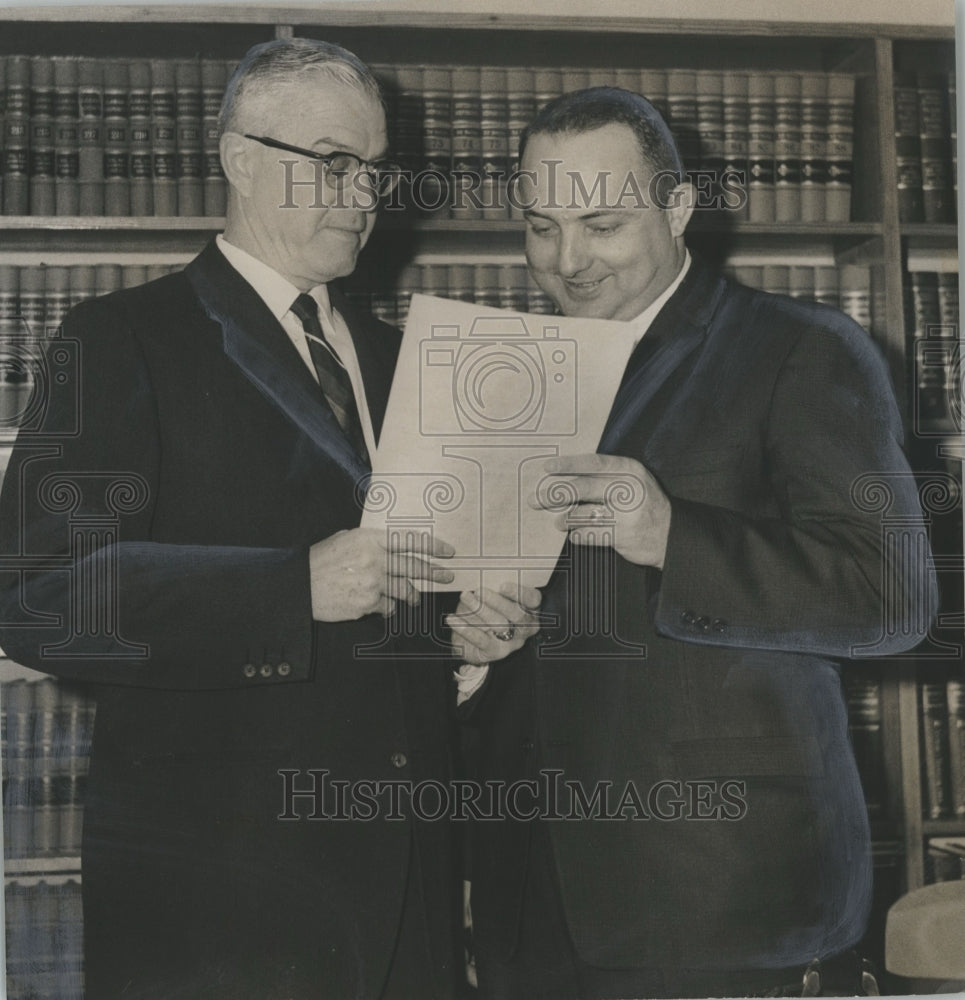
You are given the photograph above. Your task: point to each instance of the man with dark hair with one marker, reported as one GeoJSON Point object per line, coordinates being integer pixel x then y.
{"type": "Point", "coordinates": [223, 598]}
{"type": "Point", "coordinates": [687, 818]}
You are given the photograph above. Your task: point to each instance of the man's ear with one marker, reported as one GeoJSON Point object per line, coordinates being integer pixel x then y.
{"type": "Point", "coordinates": [681, 206]}
{"type": "Point", "coordinates": [238, 162]}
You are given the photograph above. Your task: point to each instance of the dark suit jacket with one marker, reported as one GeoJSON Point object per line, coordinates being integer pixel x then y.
{"type": "Point", "coordinates": [214, 676]}
{"type": "Point", "coordinates": [759, 415]}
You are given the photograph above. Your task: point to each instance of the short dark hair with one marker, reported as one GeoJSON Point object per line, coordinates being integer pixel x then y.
{"type": "Point", "coordinates": [595, 107]}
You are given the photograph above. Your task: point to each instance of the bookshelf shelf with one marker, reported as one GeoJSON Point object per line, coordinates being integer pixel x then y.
{"type": "Point", "coordinates": [15, 867]}
{"type": "Point", "coordinates": [943, 827]}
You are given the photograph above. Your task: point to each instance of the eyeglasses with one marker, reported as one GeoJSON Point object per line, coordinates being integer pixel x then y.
{"type": "Point", "coordinates": [341, 168]}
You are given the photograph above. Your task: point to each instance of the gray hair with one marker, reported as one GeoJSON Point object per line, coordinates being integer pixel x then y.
{"type": "Point", "coordinates": [284, 60]}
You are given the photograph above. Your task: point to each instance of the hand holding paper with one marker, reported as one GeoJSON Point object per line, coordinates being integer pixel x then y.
{"type": "Point", "coordinates": [481, 398]}
{"type": "Point", "coordinates": [618, 503]}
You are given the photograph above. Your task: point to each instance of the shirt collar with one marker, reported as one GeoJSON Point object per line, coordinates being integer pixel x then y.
{"type": "Point", "coordinates": [277, 292]}
{"type": "Point", "coordinates": [642, 322]}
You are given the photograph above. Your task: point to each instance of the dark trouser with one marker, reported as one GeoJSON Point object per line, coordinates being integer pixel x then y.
{"type": "Point", "coordinates": [410, 974]}
{"type": "Point", "coordinates": [545, 965]}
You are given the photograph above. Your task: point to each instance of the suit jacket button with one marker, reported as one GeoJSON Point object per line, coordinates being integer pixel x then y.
{"type": "Point", "coordinates": [688, 618]}
{"type": "Point", "coordinates": [718, 624]}
{"type": "Point", "coordinates": [399, 759]}
{"type": "Point", "coordinates": [266, 670]}
{"type": "Point", "coordinates": [249, 670]}
{"type": "Point", "coordinates": [284, 669]}
{"type": "Point", "coordinates": [527, 746]}
{"type": "Point", "coordinates": [703, 624]}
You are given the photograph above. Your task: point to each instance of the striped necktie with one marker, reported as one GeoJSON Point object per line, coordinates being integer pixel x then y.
{"type": "Point", "coordinates": [332, 376]}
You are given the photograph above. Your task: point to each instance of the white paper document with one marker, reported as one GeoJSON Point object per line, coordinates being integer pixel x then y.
{"type": "Point", "coordinates": [481, 398]}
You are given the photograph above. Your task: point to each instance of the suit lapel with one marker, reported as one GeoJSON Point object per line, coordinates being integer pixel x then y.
{"type": "Point", "coordinates": [678, 329]}
{"type": "Point", "coordinates": [256, 342]}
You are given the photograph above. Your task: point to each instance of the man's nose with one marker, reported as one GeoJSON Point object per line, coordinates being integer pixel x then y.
{"type": "Point", "coordinates": [573, 257]}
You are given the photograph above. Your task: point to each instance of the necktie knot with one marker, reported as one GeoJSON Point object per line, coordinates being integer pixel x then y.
{"type": "Point", "coordinates": [306, 309]}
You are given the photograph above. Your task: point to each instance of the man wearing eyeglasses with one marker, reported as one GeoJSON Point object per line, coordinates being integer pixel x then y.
{"type": "Point", "coordinates": [239, 840]}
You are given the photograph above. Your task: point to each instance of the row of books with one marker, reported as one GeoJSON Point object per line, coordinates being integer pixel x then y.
{"type": "Point", "coordinates": [40, 295]}
{"type": "Point", "coordinates": [925, 146]}
{"type": "Point", "coordinates": [786, 140]}
{"type": "Point", "coordinates": [944, 859]}
{"type": "Point", "coordinates": [943, 748]}
{"type": "Point", "coordinates": [508, 286]}
{"type": "Point", "coordinates": [931, 307]}
{"type": "Point", "coordinates": [47, 730]}
{"type": "Point", "coordinates": [45, 928]}
{"type": "Point", "coordinates": [35, 298]}
{"type": "Point", "coordinates": [86, 136]}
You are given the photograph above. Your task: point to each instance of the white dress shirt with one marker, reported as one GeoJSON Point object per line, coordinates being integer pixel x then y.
{"type": "Point", "coordinates": [470, 676]}
{"type": "Point", "coordinates": [278, 293]}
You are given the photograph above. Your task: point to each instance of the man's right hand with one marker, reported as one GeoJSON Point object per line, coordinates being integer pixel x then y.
{"type": "Point", "coordinates": [359, 572]}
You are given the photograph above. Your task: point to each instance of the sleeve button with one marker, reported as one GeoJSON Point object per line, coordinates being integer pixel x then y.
{"type": "Point", "coordinates": [266, 670]}
{"type": "Point", "coordinates": [284, 669]}
{"type": "Point", "coordinates": [249, 670]}
{"type": "Point", "coordinates": [399, 759]}
{"type": "Point", "coordinates": [688, 618]}
{"type": "Point", "coordinates": [703, 624]}
{"type": "Point", "coordinates": [719, 625]}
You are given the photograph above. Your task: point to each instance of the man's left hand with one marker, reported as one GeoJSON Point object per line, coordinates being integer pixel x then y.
{"type": "Point", "coordinates": [609, 500]}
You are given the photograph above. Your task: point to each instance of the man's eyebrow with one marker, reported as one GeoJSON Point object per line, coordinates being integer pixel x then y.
{"type": "Point", "coordinates": [586, 217]}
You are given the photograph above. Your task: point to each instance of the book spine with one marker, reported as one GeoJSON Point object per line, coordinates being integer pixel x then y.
{"type": "Point", "coordinates": [512, 287]}
{"type": "Point", "coordinates": [56, 297]}
{"type": "Point", "coordinates": [81, 283]}
{"type": "Point", "coordinates": [466, 143]}
{"type": "Point", "coordinates": [32, 311]}
{"type": "Point", "coordinates": [408, 143]}
{"type": "Point", "coordinates": [16, 138]}
{"type": "Point", "coordinates": [682, 107]}
{"type": "Point", "coordinates": [934, 732]}
{"type": "Point", "coordinates": [433, 189]}
{"type": "Point", "coordinates": [777, 279]}
{"type": "Point", "coordinates": [653, 86]}
{"type": "Point", "coordinates": [520, 111]}
{"type": "Point", "coordinates": [736, 140]}
{"type": "Point", "coordinates": [164, 137]}
{"type": "Point", "coordinates": [537, 301]}
{"type": "Point", "coordinates": [573, 78]}
{"type": "Point", "coordinates": [117, 185]}
{"type": "Point", "coordinates": [955, 696]}
{"type": "Point", "coordinates": [213, 81]}
{"type": "Point", "coordinates": [933, 129]}
{"type": "Point", "coordinates": [3, 114]}
{"type": "Point", "coordinates": [90, 153]}
{"type": "Point", "coordinates": [15, 377]}
{"type": "Point", "coordinates": [66, 137]}
{"type": "Point", "coordinates": [953, 136]}
{"type": "Point", "coordinates": [855, 294]}
{"type": "Point", "coordinates": [787, 147]}
{"type": "Point", "coordinates": [801, 283]}
{"type": "Point", "coordinates": [140, 157]}
{"type": "Point", "coordinates": [863, 696]}
{"type": "Point", "coordinates": [908, 148]}
{"type": "Point", "coordinates": [760, 149]}
{"type": "Point", "coordinates": [408, 282]}
{"type": "Point", "coordinates": [493, 141]}
{"type": "Point", "coordinates": [460, 281]}
{"type": "Point", "coordinates": [826, 286]}
{"type": "Point", "coordinates": [547, 85]}
{"type": "Point", "coordinates": [188, 115]}
{"type": "Point", "coordinates": [710, 126]}
{"type": "Point", "coordinates": [486, 285]}
{"type": "Point", "coordinates": [814, 146]}
{"type": "Point", "coordinates": [840, 147]}
{"type": "Point", "coordinates": [42, 158]}
{"type": "Point", "coordinates": [107, 278]}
